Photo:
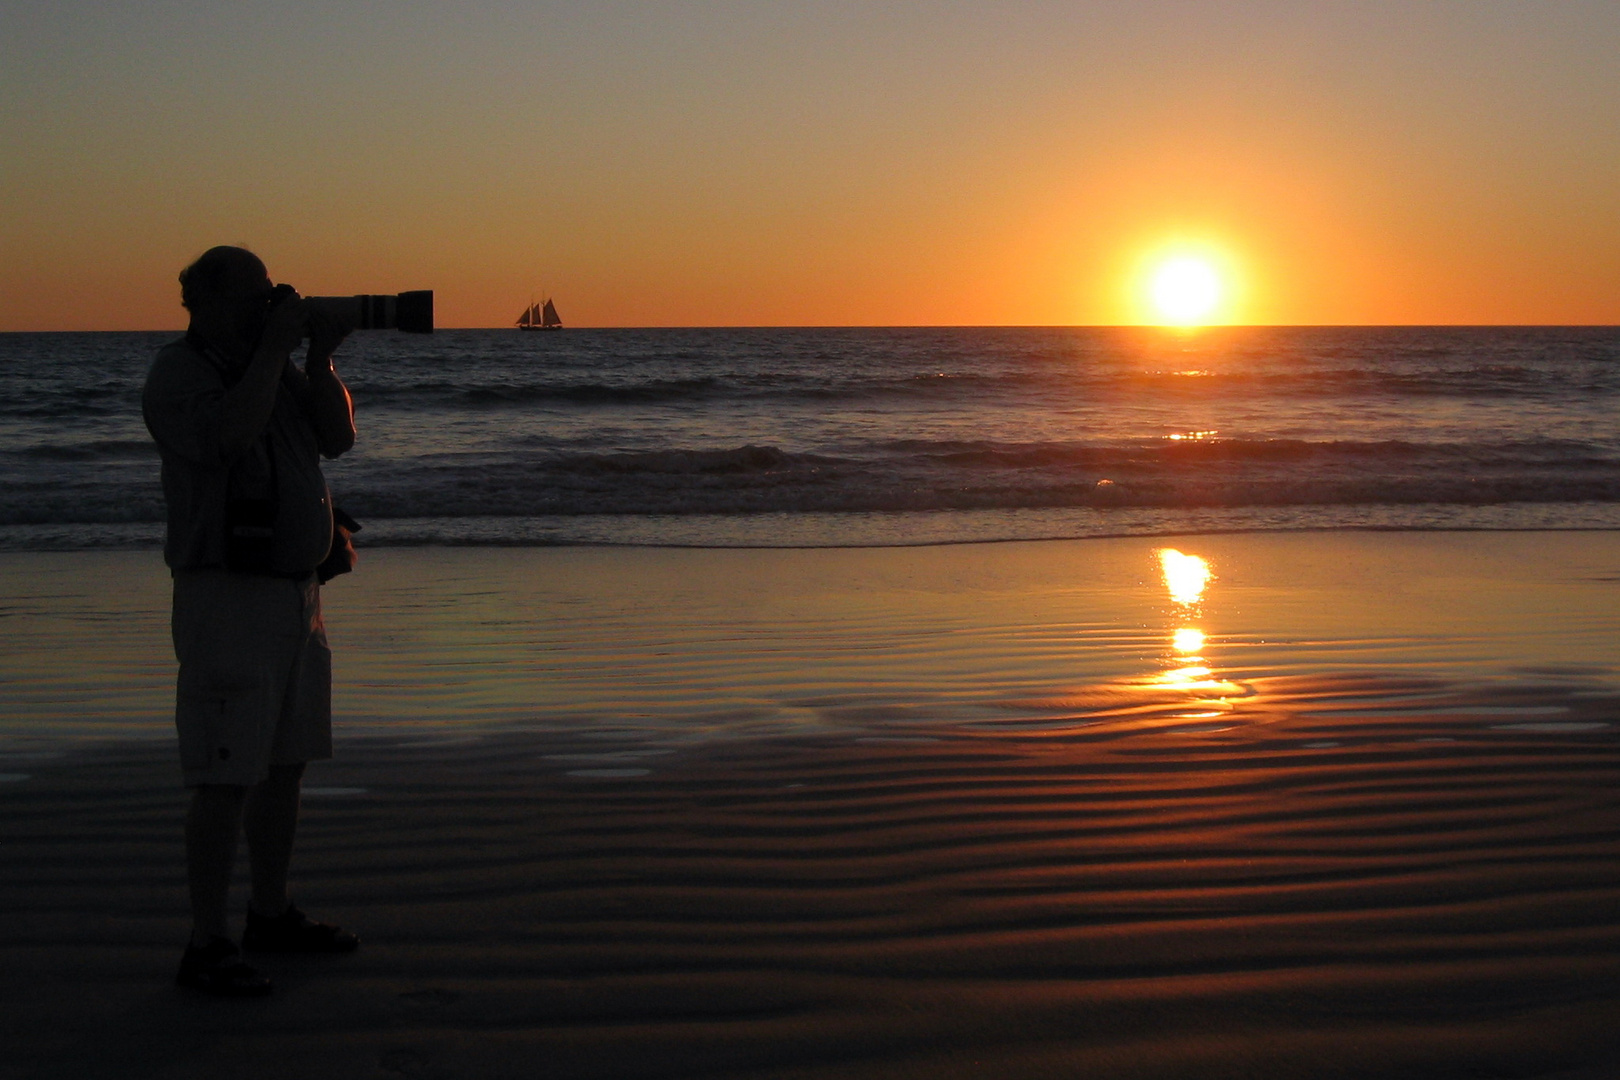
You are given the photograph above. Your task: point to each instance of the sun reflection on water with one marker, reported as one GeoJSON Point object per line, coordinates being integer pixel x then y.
{"type": "Point", "coordinates": [1188, 641]}
{"type": "Point", "coordinates": [1186, 576]}
{"type": "Point", "coordinates": [1185, 692]}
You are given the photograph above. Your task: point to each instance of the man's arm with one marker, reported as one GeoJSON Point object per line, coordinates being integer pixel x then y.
{"type": "Point", "coordinates": [245, 409]}
{"type": "Point", "coordinates": [327, 401]}
{"type": "Point", "coordinates": [192, 413]}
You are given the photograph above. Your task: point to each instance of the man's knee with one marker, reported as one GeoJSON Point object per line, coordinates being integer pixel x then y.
{"type": "Point", "coordinates": [285, 775]}
{"type": "Point", "coordinates": [218, 794]}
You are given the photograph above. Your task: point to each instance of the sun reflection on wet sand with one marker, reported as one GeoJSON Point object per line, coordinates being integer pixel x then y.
{"type": "Point", "coordinates": [1188, 641]}
{"type": "Point", "coordinates": [1186, 576]}
{"type": "Point", "coordinates": [1201, 684]}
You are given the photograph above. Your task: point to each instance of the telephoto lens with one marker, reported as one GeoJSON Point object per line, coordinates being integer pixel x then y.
{"type": "Point", "coordinates": [411, 312]}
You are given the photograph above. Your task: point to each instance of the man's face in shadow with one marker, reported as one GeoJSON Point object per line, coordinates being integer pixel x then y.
{"type": "Point", "coordinates": [235, 314]}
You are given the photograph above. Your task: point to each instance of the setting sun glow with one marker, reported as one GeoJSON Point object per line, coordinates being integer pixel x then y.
{"type": "Point", "coordinates": [1186, 291]}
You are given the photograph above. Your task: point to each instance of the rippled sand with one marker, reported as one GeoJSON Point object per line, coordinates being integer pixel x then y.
{"type": "Point", "coordinates": [1394, 852]}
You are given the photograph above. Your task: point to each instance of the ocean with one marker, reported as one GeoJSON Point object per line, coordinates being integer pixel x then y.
{"type": "Point", "coordinates": [851, 437]}
{"type": "Point", "coordinates": [1276, 802]}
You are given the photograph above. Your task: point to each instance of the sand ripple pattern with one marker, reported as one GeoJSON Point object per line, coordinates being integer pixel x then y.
{"type": "Point", "coordinates": [1356, 877]}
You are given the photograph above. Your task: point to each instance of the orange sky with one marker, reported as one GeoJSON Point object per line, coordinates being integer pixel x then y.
{"type": "Point", "coordinates": [696, 163]}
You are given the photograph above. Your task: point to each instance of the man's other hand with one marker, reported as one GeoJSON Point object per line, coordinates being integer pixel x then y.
{"type": "Point", "coordinates": [326, 333]}
{"type": "Point", "coordinates": [284, 328]}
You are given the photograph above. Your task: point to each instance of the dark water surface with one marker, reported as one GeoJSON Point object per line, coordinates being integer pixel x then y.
{"type": "Point", "coordinates": [857, 436]}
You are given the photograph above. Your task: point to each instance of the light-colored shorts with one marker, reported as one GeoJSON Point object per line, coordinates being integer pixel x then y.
{"type": "Point", "coordinates": [255, 675]}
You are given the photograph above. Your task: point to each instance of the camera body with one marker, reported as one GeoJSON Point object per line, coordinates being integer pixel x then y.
{"type": "Point", "coordinates": [411, 312]}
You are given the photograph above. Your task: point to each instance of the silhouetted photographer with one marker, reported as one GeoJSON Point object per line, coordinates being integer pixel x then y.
{"type": "Point", "coordinates": [241, 429]}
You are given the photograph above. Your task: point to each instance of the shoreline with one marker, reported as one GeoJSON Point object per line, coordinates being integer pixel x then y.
{"type": "Point", "coordinates": [835, 530]}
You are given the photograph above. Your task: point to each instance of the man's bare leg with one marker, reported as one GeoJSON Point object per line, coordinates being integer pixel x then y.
{"type": "Point", "coordinates": [212, 826]}
{"type": "Point", "coordinates": [270, 820]}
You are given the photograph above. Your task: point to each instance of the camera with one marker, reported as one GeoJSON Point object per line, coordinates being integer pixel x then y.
{"type": "Point", "coordinates": [411, 312]}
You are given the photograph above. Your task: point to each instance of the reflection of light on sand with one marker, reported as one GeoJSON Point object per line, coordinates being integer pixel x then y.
{"type": "Point", "coordinates": [1198, 679]}
{"type": "Point", "coordinates": [1189, 641]}
{"type": "Point", "coordinates": [1565, 725]}
{"type": "Point", "coordinates": [1186, 696]}
{"type": "Point", "coordinates": [882, 740]}
{"type": "Point", "coordinates": [1184, 575]}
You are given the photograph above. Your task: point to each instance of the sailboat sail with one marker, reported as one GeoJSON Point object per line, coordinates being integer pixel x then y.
{"type": "Point", "coordinates": [536, 317]}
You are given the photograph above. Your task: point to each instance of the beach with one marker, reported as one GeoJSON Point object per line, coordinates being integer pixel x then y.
{"type": "Point", "coordinates": [1060, 541]}
{"type": "Point", "coordinates": [1349, 808]}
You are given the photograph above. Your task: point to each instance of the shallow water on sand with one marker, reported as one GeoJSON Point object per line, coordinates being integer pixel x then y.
{"type": "Point", "coordinates": [660, 647]}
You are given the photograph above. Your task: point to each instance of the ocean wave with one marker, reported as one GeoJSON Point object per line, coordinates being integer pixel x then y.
{"type": "Point", "coordinates": [452, 395]}
{"type": "Point", "coordinates": [742, 459]}
{"type": "Point", "coordinates": [68, 403]}
{"type": "Point", "coordinates": [1036, 387]}
{"type": "Point", "coordinates": [1179, 452]}
{"type": "Point", "coordinates": [679, 424]}
{"type": "Point", "coordinates": [589, 393]}
{"type": "Point", "coordinates": [898, 475]}
{"type": "Point", "coordinates": [1051, 384]}
{"type": "Point", "coordinates": [92, 450]}
{"type": "Point", "coordinates": [879, 529]}
{"type": "Point", "coordinates": [970, 476]}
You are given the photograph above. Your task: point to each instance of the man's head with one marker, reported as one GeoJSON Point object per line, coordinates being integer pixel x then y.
{"type": "Point", "coordinates": [227, 291]}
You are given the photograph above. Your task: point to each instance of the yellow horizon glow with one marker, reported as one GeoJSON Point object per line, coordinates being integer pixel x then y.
{"type": "Point", "coordinates": [757, 165]}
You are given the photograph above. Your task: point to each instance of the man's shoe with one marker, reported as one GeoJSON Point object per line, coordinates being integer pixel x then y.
{"type": "Point", "coordinates": [294, 932]}
{"type": "Point", "coordinates": [218, 968]}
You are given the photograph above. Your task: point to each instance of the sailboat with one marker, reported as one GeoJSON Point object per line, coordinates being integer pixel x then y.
{"type": "Point", "coordinates": [539, 317]}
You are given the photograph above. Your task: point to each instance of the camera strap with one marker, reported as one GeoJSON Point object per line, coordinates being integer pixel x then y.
{"type": "Point", "coordinates": [230, 379]}
{"type": "Point", "coordinates": [249, 524]}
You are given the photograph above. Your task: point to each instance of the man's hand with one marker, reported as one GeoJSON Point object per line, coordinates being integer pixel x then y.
{"type": "Point", "coordinates": [284, 328]}
{"type": "Point", "coordinates": [326, 333]}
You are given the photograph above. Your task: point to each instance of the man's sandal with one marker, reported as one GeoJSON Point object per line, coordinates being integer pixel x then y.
{"type": "Point", "coordinates": [217, 968]}
{"type": "Point", "coordinates": [294, 932]}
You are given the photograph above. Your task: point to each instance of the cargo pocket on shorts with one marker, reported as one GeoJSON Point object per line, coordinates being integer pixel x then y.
{"type": "Point", "coordinates": [305, 731]}
{"type": "Point", "coordinates": [215, 730]}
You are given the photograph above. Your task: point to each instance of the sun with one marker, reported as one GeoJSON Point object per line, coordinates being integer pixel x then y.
{"type": "Point", "coordinates": [1185, 290]}
{"type": "Point", "coordinates": [1187, 282]}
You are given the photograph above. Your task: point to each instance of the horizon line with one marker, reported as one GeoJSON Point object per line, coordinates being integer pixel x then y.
{"type": "Point", "coordinates": [1173, 328]}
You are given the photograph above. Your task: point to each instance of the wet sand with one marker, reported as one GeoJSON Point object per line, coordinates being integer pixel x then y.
{"type": "Point", "coordinates": [1335, 840]}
